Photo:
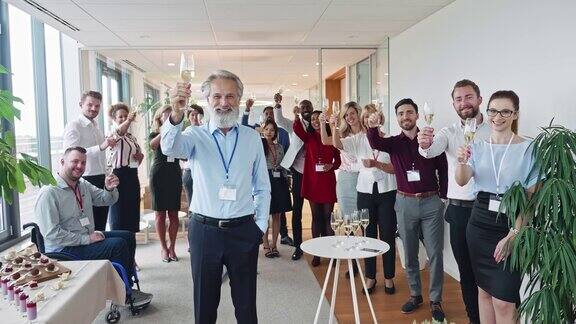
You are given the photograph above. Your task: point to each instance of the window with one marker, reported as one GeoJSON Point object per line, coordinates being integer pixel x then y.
{"type": "Point", "coordinates": [114, 85]}
{"type": "Point", "coordinates": [55, 94]}
{"type": "Point", "coordinates": [23, 87]}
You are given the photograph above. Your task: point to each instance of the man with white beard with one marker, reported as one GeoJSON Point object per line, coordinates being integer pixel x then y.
{"type": "Point", "coordinates": [230, 206]}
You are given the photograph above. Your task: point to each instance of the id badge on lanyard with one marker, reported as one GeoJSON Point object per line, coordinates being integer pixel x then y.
{"type": "Point", "coordinates": [495, 200]}
{"type": "Point", "coordinates": [227, 192]}
{"type": "Point", "coordinates": [494, 204]}
{"type": "Point", "coordinates": [413, 175]}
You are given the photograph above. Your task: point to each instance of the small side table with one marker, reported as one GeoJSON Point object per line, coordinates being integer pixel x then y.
{"type": "Point", "coordinates": [324, 247]}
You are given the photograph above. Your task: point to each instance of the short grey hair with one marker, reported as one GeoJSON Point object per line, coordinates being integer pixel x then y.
{"type": "Point", "coordinates": [221, 74]}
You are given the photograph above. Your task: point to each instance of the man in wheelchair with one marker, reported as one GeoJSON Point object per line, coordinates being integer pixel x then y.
{"type": "Point", "coordinates": [64, 215]}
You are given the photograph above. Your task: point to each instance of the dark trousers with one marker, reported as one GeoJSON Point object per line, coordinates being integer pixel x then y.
{"type": "Point", "coordinates": [187, 182]}
{"type": "Point", "coordinates": [118, 246]}
{"type": "Point", "coordinates": [458, 217]}
{"type": "Point", "coordinates": [383, 225]}
{"type": "Point", "coordinates": [100, 213]}
{"type": "Point", "coordinates": [283, 227]}
{"type": "Point", "coordinates": [321, 219]}
{"type": "Point", "coordinates": [297, 203]}
{"type": "Point", "coordinates": [210, 249]}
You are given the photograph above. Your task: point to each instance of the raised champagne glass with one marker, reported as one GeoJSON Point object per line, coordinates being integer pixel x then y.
{"type": "Point", "coordinates": [469, 130]}
{"type": "Point", "coordinates": [428, 114]}
{"type": "Point", "coordinates": [187, 70]}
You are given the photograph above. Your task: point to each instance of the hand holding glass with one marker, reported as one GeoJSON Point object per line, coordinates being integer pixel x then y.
{"type": "Point", "coordinates": [469, 130]}
{"type": "Point", "coordinates": [428, 114]}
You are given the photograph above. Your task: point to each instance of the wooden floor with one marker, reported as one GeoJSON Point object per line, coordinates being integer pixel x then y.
{"type": "Point", "coordinates": [386, 307]}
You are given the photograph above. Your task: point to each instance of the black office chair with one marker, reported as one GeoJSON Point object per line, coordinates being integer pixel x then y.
{"type": "Point", "coordinates": [114, 314]}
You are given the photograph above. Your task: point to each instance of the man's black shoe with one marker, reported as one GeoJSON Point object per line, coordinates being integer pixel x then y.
{"type": "Point", "coordinates": [412, 304]}
{"type": "Point", "coordinates": [437, 311]}
{"type": "Point", "coordinates": [287, 240]}
{"type": "Point", "coordinates": [297, 254]}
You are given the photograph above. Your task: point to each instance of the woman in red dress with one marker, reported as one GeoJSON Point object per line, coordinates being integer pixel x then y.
{"type": "Point", "coordinates": [319, 179]}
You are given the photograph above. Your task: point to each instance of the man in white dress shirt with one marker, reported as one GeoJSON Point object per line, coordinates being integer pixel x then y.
{"type": "Point", "coordinates": [84, 132]}
{"type": "Point", "coordinates": [294, 161]}
{"type": "Point", "coordinates": [466, 100]}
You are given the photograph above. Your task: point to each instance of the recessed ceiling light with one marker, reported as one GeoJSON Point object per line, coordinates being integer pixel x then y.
{"type": "Point", "coordinates": [171, 64]}
{"type": "Point", "coordinates": [386, 74]}
{"type": "Point", "coordinates": [294, 84]}
{"type": "Point", "coordinates": [317, 63]}
{"type": "Point", "coordinates": [378, 82]}
{"type": "Point", "coordinates": [305, 75]}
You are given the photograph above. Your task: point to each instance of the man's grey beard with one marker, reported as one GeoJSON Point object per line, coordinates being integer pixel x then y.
{"type": "Point", "coordinates": [225, 120]}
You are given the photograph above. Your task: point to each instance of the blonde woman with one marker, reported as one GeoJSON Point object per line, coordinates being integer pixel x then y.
{"type": "Point", "coordinates": [350, 125]}
{"type": "Point", "coordinates": [165, 187]}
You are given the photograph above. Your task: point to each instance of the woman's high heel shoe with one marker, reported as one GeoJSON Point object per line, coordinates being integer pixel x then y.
{"type": "Point", "coordinates": [371, 289]}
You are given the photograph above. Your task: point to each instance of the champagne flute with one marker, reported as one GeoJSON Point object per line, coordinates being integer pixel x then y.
{"type": "Point", "coordinates": [469, 130]}
{"type": "Point", "coordinates": [187, 67]}
{"type": "Point", "coordinates": [355, 227]}
{"type": "Point", "coordinates": [364, 221]}
{"type": "Point", "coordinates": [335, 223]}
{"type": "Point", "coordinates": [325, 105]}
{"type": "Point", "coordinates": [428, 114]}
{"type": "Point", "coordinates": [336, 107]}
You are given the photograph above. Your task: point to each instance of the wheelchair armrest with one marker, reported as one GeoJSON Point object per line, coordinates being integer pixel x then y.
{"type": "Point", "coordinates": [63, 256]}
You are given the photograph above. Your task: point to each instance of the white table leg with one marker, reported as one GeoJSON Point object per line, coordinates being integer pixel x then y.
{"type": "Point", "coordinates": [366, 291]}
{"type": "Point", "coordinates": [334, 290]}
{"type": "Point", "coordinates": [323, 291]}
{"type": "Point", "coordinates": [353, 287]}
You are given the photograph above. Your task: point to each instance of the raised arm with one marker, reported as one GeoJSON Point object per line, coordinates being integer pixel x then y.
{"type": "Point", "coordinates": [175, 143]}
{"type": "Point", "coordinates": [431, 145]}
{"type": "Point", "coordinates": [326, 140]}
{"type": "Point", "coordinates": [299, 129]}
{"type": "Point", "coordinates": [377, 142]}
{"type": "Point", "coordinates": [463, 171]}
{"type": "Point", "coordinates": [123, 128]}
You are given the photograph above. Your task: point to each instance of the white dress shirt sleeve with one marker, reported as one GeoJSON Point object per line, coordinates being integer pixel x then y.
{"type": "Point", "coordinates": [439, 145]}
{"type": "Point", "coordinates": [282, 121]}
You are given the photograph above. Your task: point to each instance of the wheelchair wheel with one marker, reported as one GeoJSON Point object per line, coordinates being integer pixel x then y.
{"type": "Point", "coordinates": [113, 315]}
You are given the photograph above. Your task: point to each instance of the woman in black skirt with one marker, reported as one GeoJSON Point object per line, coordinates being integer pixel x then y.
{"type": "Point", "coordinates": [165, 187]}
{"type": "Point", "coordinates": [280, 202]}
{"type": "Point", "coordinates": [495, 165]}
{"type": "Point", "coordinates": [124, 159]}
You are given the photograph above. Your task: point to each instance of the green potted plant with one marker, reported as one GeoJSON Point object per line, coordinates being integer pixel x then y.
{"type": "Point", "coordinates": [14, 168]}
{"type": "Point", "coordinates": [545, 248]}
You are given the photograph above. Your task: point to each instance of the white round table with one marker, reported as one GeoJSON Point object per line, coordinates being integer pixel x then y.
{"type": "Point", "coordinates": [325, 247]}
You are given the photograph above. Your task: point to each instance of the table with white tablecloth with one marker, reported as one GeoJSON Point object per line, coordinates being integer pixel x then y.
{"type": "Point", "coordinates": [92, 283]}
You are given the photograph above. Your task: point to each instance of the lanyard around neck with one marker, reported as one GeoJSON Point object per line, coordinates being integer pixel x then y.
{"type": "Point", "coordinates": [497, 173]}
{"type": "Point", "coordinates": [78, 196]}
{"type": "Point", "coordinates": [226, 165]}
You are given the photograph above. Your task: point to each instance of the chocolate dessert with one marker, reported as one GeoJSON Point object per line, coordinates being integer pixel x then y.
{"type": "Point", "coordinates": [50, 267]}
{"type": "Point", "coordinates": [15, 276]}
{"type": "Point", "coordinates": [37, 255]}
{"type": "Point", "coordinates": [35, 272]}
{"type": "Point", "coordinates": [18, 260]}
{"type": "Point", "coordinates": [44, 260]}
{"type": "Point", "coordinates": [28, 265]}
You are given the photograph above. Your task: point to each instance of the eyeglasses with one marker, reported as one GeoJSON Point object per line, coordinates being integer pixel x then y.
{"type": "Point", "coordinates": [506, 113]}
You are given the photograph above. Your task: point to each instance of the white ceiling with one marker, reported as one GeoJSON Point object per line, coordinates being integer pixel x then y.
{"type": "Point", "coordinates": [229, 34]}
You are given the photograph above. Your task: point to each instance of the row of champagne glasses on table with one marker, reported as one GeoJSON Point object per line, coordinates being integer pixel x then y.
{"type": "Point", "coordinates": [469, 124]}
{"type": "Point", "coordinates": [349, 224]}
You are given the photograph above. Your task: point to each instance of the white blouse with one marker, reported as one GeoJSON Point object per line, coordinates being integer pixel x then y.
{"type": "Point", "coordinates": [358, 146]}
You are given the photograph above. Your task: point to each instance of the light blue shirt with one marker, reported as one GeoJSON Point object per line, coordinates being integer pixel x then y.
{"type": "Point", "coordinates": [517, 166]}
{"type": "Point", "coordinates": [247, 170]}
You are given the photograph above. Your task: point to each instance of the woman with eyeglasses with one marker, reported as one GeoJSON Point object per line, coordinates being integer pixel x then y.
{"type": "Point", "coordinates": [495, 165]}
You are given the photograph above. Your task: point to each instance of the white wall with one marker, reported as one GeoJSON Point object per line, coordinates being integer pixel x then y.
{"type": "Point", "coordinates": [528, 46]}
